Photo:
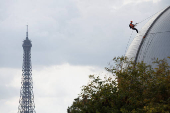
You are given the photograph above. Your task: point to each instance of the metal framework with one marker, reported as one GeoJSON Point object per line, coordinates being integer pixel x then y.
{"type": "Point", "coordinates": [26, 102]}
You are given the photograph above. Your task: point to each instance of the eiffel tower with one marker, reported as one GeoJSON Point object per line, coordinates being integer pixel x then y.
{"type": "Point", "coordinates": [26, 101]}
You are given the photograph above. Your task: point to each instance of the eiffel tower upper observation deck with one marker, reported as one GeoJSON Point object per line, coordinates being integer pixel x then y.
{"type": "Point", "coordinates": [26, 102]}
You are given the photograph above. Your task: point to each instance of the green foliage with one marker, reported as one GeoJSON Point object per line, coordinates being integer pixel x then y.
{"type": "Point", "coordinates": [134, 89]}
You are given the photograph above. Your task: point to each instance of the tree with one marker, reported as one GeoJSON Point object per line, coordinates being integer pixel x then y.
{"type": "Point", "coordinates": [136, 88]}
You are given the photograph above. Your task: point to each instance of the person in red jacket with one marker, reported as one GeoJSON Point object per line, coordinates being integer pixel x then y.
{"type": "Point", "coordinates": [132, 26]}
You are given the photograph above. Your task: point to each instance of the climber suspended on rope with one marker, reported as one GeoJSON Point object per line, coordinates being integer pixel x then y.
{"type": "Point", "coordinates": [132, 26]}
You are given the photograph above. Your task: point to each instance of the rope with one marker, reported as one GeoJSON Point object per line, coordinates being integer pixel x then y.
{"type": "Point", "coordinates": [128, 42]}
{"type": "Point", "coordinates": [159, 32]}
{"type": "Point", "coordinates": [149, 17]}
{"type": "Point", "coordinates": [148, 45]}
{"type": "Point", "coordinates": [146, 18]}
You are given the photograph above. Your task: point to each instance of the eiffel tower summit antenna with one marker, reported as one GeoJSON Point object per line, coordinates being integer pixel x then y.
{"type": "Point", "coordinates": [27, 33]}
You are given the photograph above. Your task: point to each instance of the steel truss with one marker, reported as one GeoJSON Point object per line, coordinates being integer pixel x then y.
{"type": "Point", "coordinates": [26, 101]}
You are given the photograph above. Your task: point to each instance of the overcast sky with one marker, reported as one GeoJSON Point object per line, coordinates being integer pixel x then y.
{"type": "Point", "coordinates": [71, 39]}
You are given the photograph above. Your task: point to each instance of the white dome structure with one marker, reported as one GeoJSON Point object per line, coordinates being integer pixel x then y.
{"type": "Point", "coordinates": [153, 40]}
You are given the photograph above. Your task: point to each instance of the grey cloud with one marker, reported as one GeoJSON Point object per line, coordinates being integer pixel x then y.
{"type": "Point", "coordinates": [8, 92]}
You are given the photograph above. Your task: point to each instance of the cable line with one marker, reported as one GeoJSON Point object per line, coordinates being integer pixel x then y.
{"type": "Point", "coordinates": [128, 42]}
{"type": "Point", "coordinates": [149, 16]}
{"type": "Point", "coordinates": [159, 32]}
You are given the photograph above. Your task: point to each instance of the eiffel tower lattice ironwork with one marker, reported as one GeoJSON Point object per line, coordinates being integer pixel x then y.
{"type": "Point", "coordinates": [26, 101]}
